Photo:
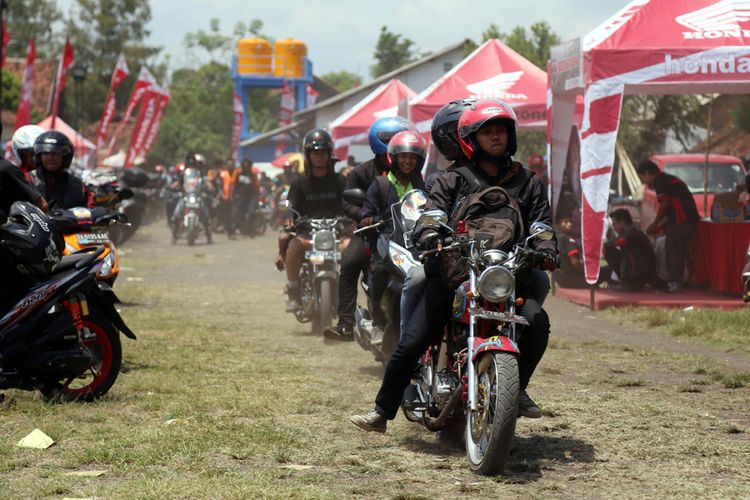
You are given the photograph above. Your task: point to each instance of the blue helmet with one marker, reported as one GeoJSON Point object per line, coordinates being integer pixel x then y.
{"type": "Point", "coordinates": [383, 129]}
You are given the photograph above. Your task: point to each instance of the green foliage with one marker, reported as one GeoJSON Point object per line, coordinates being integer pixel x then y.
{"type": "Point", "coordinates": [27, 18]}
{"type": "Point", "coordinates": [100, 30]}
{"type": "Point", "coordinates": [11, 91]}
{"type": "Point", "coordinates": [534, 44]}
{"type": "Point", "coordinates": [217, 46]}
{"type": "Point", "coordinates": [391, 52]}
{"type": "Point", "coordinates": [741, 113]}
{"type": "Point", "coordinates": [253, 28]}
{"type": "Point", "coordinates": [646, 120]}
{"type": "Point", "coordinates": [199, 115]}
{"type": "Point", "coordinates": [343, 80]}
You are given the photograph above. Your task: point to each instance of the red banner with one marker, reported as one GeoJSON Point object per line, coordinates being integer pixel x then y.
{"type": "Point", "coordinates": [146, 115]}
{"type": "Point", "coordinates": [62, 70]}
{"type": "Point", "coordinates": [239, 111]}
{"type": "Point", "coordinates": [285, 115]}
{"type": "Point", "coordinates": [23, 114]}
{"type": "Point", "coordinates": [144, 82]}
{"type": "Point", "coordinates": [312, 96]}
{"type": "Point", "coordinates": [153, 131]}
{"type": "Point", "coordinates": [120, 73]}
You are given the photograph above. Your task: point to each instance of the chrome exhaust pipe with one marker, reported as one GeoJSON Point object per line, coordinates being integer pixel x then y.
{"type": "Point", "coordinates": [438, 423]}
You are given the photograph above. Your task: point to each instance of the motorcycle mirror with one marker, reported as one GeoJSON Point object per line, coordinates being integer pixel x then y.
{"type": "Point", "coordinates": [541, 231]}
{"type": "Point", "coordinates": [355, 196]}
{"type": "Point", "coordinates": [433, 218]}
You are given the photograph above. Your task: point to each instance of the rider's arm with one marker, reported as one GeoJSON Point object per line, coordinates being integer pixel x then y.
{"type": "Point", "coordinates": [354, 181]}
{"type": "Point", "coordinates": [370, 206]}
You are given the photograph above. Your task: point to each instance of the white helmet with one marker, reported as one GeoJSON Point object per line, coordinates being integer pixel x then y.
{"type": "Point", "coordinates": [24, 138]}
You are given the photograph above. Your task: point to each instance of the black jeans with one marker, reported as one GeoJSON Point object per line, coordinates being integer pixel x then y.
{"type": "Point", "coordinates": [353, 263]}
{"type": "Point", "coordinates": [378, 283]}
{"type": "Point", "coordinates": [679, 239]}
{"type": "Point", "coordinates": [426, 326]}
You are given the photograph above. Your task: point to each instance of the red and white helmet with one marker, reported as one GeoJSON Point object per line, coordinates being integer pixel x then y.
{"type": "Point", "coordinates": [481, 112]}
{"type": "Point", "coordinates": [407, 141]}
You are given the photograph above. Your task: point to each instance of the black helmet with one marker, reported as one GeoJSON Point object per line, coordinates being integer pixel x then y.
{"type": "Point", "coordinates": [30, 242]}
{"type": "Point", "coordinates": [53, 141]}
{"type": "Point", "coordinates": [317, 139]}
{"type": "Point", "coordinates": [445, 128]}
{"type": "Point", "coordinates": [195, 160]}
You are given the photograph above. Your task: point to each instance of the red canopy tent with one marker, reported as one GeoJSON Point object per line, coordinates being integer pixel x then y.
{"type": "Point", "coordinates": [492, 70]}
{"type": "Point", "coordinates": [648, 47]}
{"type": "Point", "coordinates": [351, 127]}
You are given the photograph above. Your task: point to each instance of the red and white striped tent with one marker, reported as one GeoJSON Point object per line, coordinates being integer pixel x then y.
{"type": "Point", "coordinates": [648, 47]}
{"type": "Point", "coordinates": [82, 145]}
{"type": "Point", "coordinates": [492, 70]}
{"type": "Point", "coordinates": [352, 127]}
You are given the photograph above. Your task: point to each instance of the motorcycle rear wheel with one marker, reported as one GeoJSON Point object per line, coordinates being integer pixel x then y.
{"type": "Point", "coordinates": [103, 339]}
{"type": "Point", "coordinates": [490, 429]}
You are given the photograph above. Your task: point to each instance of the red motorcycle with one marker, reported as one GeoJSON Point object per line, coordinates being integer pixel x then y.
{"type": "Point", "coordinates": [476, 377]}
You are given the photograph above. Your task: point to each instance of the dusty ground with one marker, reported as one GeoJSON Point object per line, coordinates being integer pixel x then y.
{"type": "Point", "coordinates": [258, 407]}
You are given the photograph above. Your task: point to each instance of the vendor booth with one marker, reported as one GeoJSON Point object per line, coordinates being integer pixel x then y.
{"type": "Point", "coordinates": [352, 127]}
{"type": "Point", "coordinates": [648, 47]}
{"type": "Point", "coordinates": [493, 70]}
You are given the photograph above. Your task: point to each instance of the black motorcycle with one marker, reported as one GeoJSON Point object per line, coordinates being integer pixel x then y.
{"type": "Point", "coordinates": [59, 331]}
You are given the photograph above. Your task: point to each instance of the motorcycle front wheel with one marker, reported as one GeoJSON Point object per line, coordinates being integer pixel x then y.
{"type": "Point", "coordinates": [323, 317]}
{"type": "Point", "coordinates": [490, 428]}
{"type": "Point", "coordinates": [102, 340]}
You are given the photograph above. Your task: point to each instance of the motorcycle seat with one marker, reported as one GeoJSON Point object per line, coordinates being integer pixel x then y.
{"type": "Point", "coordinates": [78, 259]}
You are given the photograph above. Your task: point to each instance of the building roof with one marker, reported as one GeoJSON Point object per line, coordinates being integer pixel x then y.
{"type": "Point", "coordinates": [381, 79]}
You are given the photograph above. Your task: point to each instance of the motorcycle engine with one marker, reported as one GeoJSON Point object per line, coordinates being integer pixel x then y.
{"type": "Point", "coordinates": [445, 384]}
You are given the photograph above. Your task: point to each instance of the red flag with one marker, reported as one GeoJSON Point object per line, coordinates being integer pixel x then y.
{"type": "Point", "coordinates": [153, 131]}
{"type": "Point", "coordinates": [146, 114]}
{"type": "Point", "coordinates": [239, 111]}
{"type": "Point", "coordinates": [312, 96]}
{"type": "Point", "coordinates": [285, 115]}
{"type": "Point", "coordinates": [23, 115]}
{"type": "Point", "coordinates": [62, 70]}
{"type": "Point", "coordinates": [120, 73]}
{"type": "Point", "coordinates": [144, 82]}
{"type": "Point", "coordinates": [6, 39]}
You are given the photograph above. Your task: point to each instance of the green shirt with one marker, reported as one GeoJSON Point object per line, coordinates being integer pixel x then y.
{"type": "Point", "coordinates": [401, 189]}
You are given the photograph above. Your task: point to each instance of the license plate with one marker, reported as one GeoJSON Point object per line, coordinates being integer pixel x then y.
{"type": "Point", "coordinates": [318, 258]}
{"type": "Point", "coordinates": [92, 238]}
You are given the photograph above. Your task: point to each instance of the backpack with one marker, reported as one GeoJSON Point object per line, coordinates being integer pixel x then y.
{"type": "Point", "coordinates": [490, 214]}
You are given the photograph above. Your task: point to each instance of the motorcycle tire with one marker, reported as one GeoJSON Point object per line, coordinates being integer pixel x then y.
{"type": "Point", "coordinates": [489, 433]}
{"type": "Point", "coordinates": [323, 317]}
{"type": "Point", "coordinates": [103, 339]}
{"type": "Point", "coordinates": [259, 226]}
{"type": "Point", "coordinates": [191, 240]}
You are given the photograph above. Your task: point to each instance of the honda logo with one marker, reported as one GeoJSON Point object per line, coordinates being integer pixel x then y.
{"type": "Point", "coordinates": [723, 19]}
{"type": "Point", "coordinates": [497, 86]}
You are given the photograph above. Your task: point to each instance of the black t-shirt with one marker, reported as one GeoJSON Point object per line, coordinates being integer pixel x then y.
{"type": "Point", "coordinates": [14, 187]}
{"type": "Point", "coordinates": [317, 197]}
{"type": "Point", "coordinates": [568, 276]}
{"type": "Point", "coordinates": [244, 187]}
{"type": "Point", "coordinates": [682, 209]}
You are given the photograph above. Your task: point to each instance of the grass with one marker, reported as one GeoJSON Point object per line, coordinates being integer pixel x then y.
{"type": "Point", "coordinates": [727, 330]}
{"type": "Point", "coordinates": [224, 396]}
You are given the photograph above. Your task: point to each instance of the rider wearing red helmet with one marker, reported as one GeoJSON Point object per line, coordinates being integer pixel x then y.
{"type": "Point", "coordinates": [487, 137]}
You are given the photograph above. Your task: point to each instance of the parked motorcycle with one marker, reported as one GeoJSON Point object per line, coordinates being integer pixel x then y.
{"type": "Point", "coordinates": [90, 227]}
{"type": "Point", "coordinates": [61, 332]}
{"type": "Point", "coordinates": [192, 205]}
{"type": "Point", "coordinates": [319, 275]}
{"type": "Point", "coordinates": [476, 376]}
{"type": "Point", "coordinates": [395, 248]}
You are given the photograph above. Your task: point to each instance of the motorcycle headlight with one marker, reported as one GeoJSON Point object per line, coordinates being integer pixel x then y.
{"type": "Point", "coordinates": [324, 240]}
{"type": "Point", "coordinates": [496, 284]}
{"type": "Point", "coordinates": [105, 271]}
{"type": "Point", "coordinates": [192, 199]}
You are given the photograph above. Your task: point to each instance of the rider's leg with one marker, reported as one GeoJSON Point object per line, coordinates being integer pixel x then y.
{"type": "Point", "coordinates": [353, 262]}
{"type": "Point", "coordinates": [378, 283]}
{"type": "Point", "coordinates": [295, 253]}
{"type": "Point", "coordinates": [284, 239]}
{"type": "Point", "coordinates": [533, 339]}
{"type": "Point", "coordinates": [413, 289]}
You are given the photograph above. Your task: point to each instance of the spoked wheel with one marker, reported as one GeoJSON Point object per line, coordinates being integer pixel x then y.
{"type": "Point", "coordinates": [490, 428]}
{"type": "Point", "coordinates": [102, 340]}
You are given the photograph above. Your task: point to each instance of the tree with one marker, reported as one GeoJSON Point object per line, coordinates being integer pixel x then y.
{"type": "Point", "coordinates": [27, 18]}
{"type": "Point", "coordinates": [534, 44]}
{"type": "Point", "coordinates": [198, 117]}
{"type": "Point", "coordinates": [11, 91]}
{"type": "Point", "coordinates": [391, 52]}
{"type": "Point", "coordinates": [100, 30]}
{"type": "Point", "coordinates": [216, 45]}
{"type": "Point", "coordinates": [343, 80]}
{"type": "Point", "coordinates": [741, 113]}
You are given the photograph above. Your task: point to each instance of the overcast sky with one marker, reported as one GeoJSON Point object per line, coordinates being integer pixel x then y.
{"type": "Point", "coordinates": [341, 34]}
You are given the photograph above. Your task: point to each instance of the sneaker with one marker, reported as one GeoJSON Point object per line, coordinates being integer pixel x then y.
{"type": "Point", "coordinates": [339, 332]}
{"type": "Point", "coordinates": [527, 407]}
{"type": "Point", "coordinates": [372, 421]}
{"type": "Point", "coordinates": [376, 336]}
{"type": "Point", "coordinates": [674, 286]}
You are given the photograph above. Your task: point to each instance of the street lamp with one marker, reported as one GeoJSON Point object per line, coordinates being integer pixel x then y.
{"type": "Point", "coordinates": [79, 71]}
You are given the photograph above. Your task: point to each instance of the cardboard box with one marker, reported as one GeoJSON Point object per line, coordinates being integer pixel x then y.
{"type": "Point", "coordinates": [727, 208]}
